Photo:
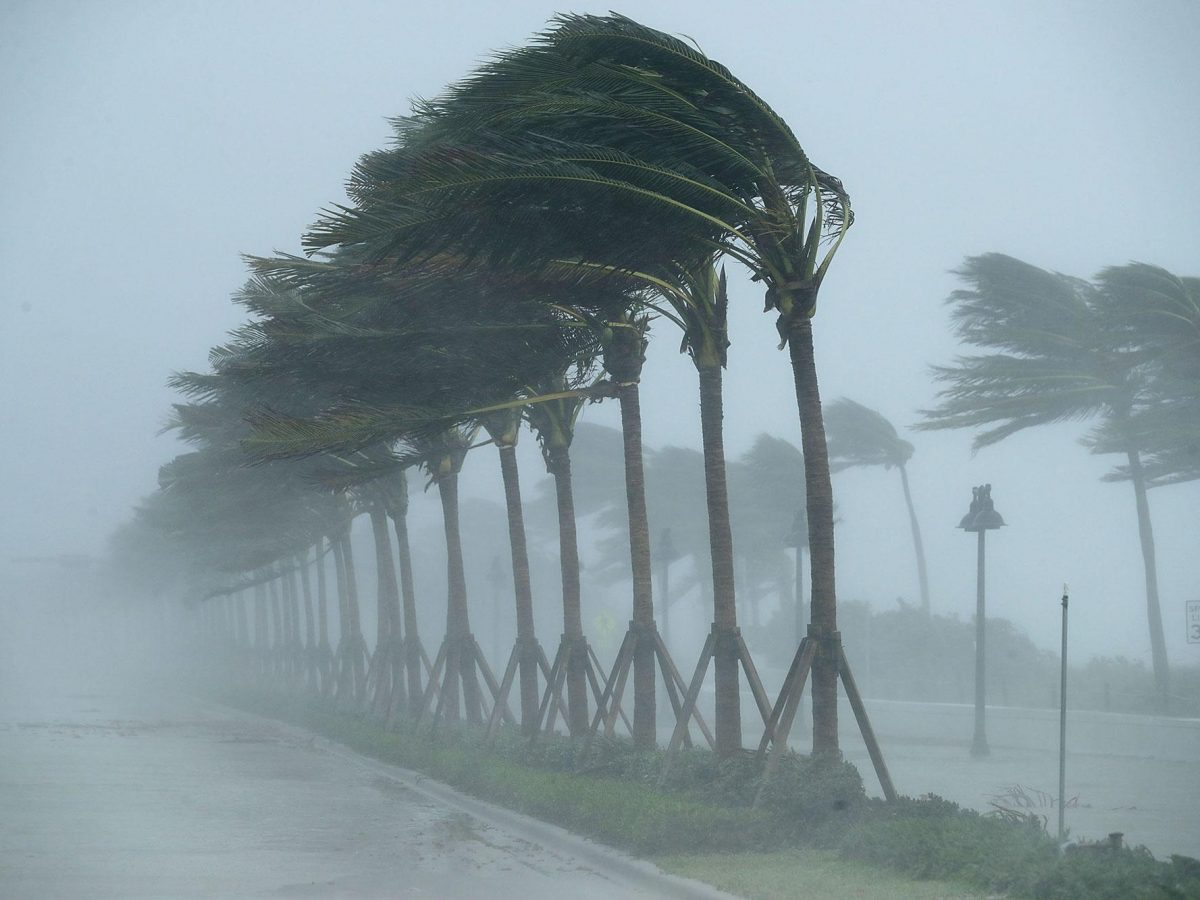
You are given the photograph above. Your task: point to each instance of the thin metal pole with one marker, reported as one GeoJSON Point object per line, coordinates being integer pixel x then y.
{"type": "Point", "coordinates": [1062, 726]}
{"type": "Point", "coordinates": [979, 746]}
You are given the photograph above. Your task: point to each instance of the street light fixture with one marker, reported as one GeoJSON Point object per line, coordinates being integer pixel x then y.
{"type": "Point", "coordinates": [980, 518]}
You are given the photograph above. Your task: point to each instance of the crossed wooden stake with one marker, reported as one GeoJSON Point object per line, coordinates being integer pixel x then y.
{"type": "Point", "coordinates": [608, 708]}
{"type": "Point", "coordinates": [569, 649]}
{"type": "Point", "coordinates": [460, 656]}
{"type": "Point", "coordinates": [711, 644]}
{"type": "Point", "coordinates": [779, 723]}
{"type": "Point", "coordinates": [522, 650]}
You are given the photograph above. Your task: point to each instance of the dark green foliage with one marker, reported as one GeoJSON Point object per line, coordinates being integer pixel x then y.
{"type": "Point", "coordinates": [933, 838]}
{"type": "Point", "coordinates": [1103, 873]}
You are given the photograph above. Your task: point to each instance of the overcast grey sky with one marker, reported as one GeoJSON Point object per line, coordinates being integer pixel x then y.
{"type": "Point", "coordinates": [146, 144]}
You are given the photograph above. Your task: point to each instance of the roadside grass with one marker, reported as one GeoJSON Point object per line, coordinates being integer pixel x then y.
{"type": "Point", "coordinates": [805, 872]}
{"type": "Point", "coordinates": [815, 818]}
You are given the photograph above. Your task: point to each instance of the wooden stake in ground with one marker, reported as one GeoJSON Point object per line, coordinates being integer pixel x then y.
{"type": "Point", "coordinates": [735, 647]}
{"type": "Point", "coordinates": [646, 639]}
{"type": "Point", "coordinates": [779, 723]}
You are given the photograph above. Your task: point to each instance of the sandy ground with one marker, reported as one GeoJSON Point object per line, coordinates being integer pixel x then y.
{"type": "Point", "coordinates": [103, 796]}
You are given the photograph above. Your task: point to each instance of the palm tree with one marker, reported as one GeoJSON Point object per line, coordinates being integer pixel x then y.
{"type": "Point", "coordinates": [1063, 350]}
{"type": "Point", "coordinates": [859, 436]}
{"type": "Point", "coordinates": [609, 142]}
{"type": "Point", "coordinates": [554, 422]}
{"type": "Point", "coordinates": [398, 343]}
{"type": "Point", "coordinates": [504, 428]}
{"type": "Point", "coordinates": [767, 506]}
{"type": "Point", "coordinates": [1159, 314]}
{"type": "Point", "coordinates": [394, 496]}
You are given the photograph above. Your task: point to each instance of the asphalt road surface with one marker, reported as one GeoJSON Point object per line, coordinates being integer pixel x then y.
{"type": "Point", "coordinates": [103, 795]}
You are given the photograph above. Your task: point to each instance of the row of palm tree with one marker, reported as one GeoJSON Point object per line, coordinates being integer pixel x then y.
{"type": "Point", "coordinates": [504, 258]}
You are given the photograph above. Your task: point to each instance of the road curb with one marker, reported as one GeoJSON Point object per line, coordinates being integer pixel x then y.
{"type": "Point", "coordinates": [635, 874]}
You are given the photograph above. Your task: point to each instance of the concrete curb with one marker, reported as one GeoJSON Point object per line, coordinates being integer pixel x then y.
{"type": "Point", "coordinates": [627, 871]}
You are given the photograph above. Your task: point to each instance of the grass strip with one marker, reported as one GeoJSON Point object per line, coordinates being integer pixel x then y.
{"type": "Point", "coordinates": [806, 872]}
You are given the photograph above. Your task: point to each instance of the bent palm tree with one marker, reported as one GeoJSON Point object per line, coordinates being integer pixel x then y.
{"type": "Point", "coordinates": [609, 142]}
{"type": "Point", "coordinates": [1060, 355]}
{"type": "Point", "coordinates": [859, 436]}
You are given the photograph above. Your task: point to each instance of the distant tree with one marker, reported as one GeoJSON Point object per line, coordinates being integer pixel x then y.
{"type": "Point", "coordinates": [1064, 349]}
{"type": "Point", "coordinates": [859, 436]}
{"type": "Point", "coordinates": [767, 493]}
{"type": "Point", "coordinates": [1159, 315]}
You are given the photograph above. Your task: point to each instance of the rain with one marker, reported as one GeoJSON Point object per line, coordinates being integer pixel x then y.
{"type": "Point", "coordinates": [370, 528]}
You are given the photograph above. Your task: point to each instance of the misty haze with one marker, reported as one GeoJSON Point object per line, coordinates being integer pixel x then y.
{"type": "Point", "coordinates": [520, 452]}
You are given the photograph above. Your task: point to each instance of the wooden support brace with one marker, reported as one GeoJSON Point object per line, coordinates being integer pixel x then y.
{"type": "Point", "coordinates": [546, 712]}
{"type": "Point", "coordinates": [498, 700]}
{"type": "Point", "coordinates": [752, 678]}
{"type": "Point", "coordinates": [431, 686]}
{"type": "Point", "coordinates": [864, 726]}
{"type": "Point", "coordinates": [784, 693]}
{"type": "Point", "coordinates": [681, 724]}
{"type": "Point", "coordinates": [544, 666]}
{"type": "Point", "coordinates": [675, 690]}
{"type": "Point", "coordinates": [510, 672]}
{"type": "Point", "coordinates": [609, 685]}
{"type": "Point", "coordinates": [790, 698]}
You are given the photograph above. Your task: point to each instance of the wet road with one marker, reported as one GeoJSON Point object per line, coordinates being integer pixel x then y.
{"type": "Point", "coordinates": [108, 797]}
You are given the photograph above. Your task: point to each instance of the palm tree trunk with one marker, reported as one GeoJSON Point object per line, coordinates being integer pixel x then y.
{"type": "Point", "coordinates": [918, 546]}
{"type": "Point", "coordinates": [522, 591]}
{"type": "Point", "coordinates": [639, 553]}
{"type": "Point", "coordinates": [720, 537]}
{"type": "Point", "coordinates": [409, 595]}
{"type": "Point", "coordinates": [243, 626]}
{"type": "Point", "coordinates": [277, 641]}
{"type": "Point", "coordinates": [323, 650]}
{"type": "Point", "coordinates": [559, 463]}
{"type": "Point", "coordinates": [262, 638]}
{"type": "Point", "coordinates": [291, 597]}
{"type": "Point", "coordinates": [458, 626]}
{"type": "Point", "coordinates": [387, 613]}
{"type": "Point", "coordinates": [322, 594]}
{"type": "Point", "coordinates": [357, 644]}
{"type": "Point", "coordinates": [308, 650]}
{"type": "Point", "coordinates": [343, 673]}
{"type": "Point", "coordinates": [310, 640]}
{"type": "Point", "coordinates": [1158, 647]}
{"type": "Point", "coordinates": [823, 596]}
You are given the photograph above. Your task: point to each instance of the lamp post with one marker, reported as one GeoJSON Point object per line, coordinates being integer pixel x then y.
{"type": "Point", "coordinates": [980, 518]}
{"type": "Point", "coordinates": [797, 539]}
{"type": "Point", "coordinates": [665, 555]}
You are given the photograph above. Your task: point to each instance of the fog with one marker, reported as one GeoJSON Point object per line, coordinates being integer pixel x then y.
{"type": "Point", "coordinates": [146, 146]}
